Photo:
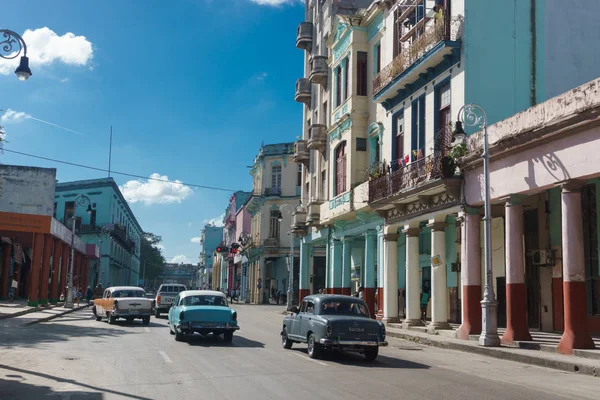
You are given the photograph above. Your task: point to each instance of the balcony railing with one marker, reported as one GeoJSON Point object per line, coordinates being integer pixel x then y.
{"type": "Point", "coordinates": [301, 154]}
{"type": "Point", "coordinates": [303, 91]}
{"type": "Point", "coordinates": [304, 36]}
{"type": "Point", "coordinates": [319, 68]}
{"type": "Point", "coordinates": [318, 137]}
{"type": "Point", "coordinates": [299, 220]}
{"type": "Point", "coordinates": [273, 191]}
{"type": "Point", "coordinates": [419, 40]}
{"type": "Point", "coordinates": [271, 242]}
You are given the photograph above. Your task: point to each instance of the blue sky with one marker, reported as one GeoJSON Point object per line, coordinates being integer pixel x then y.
{"type": "Point", "coordinates": [191, 87]}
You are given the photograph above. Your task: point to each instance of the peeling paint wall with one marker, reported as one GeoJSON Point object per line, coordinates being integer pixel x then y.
{"type": "Point", "coordinates": [27, 190]}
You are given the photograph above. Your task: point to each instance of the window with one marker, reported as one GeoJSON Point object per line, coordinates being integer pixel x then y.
{"type": "Point", "coordinates": [55, 206]}
{"type": "Point", "coordinates": [338, 85]}
{"type": "Point", "coordinates": [361, 144]}
{"type": "Point", "coordinates": [361, 73]}
{"type": "Point", "coordinates": [347, 65]}
{"type": "Point", "coordinates": [377, 150]}
{"type": "Point", "coordinates": [93, 218]}
{"type": "Point", "coordinates": [308, 190]}
{"type": "Point", "coordinates": [310, 307]}
{"type": "Point", "coordinates": [276, 176]}
{"type": "Point", "coordinates": [323, 184]}
{"type": "Point", "coordinates": [303, 307]}
{"type": "Point", "coordinates": [376, 58]}
{"type": "Point", "coordinates": [299, 178]}
{"type": "Point", "coordinates": [398, 149]}
{"type": "Point", "coordinates": [325, 117]}
{"type": "Point", "coordinates": [340, 164]}
{"type": "Point", "coordinates": [274, 225]}
{"type": "Point", "coordinates": [69, 211]}
{"type": "Point", "coordinates": [443, 99]}
{"type": "Point", "coordinates": [418, 129]}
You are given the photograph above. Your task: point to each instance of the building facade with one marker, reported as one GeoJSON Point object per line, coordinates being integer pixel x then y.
{"type": "Point", "coordinates": [276, 194]}
{"type": "Point", "coordinates": [179, 273]}
{"type": "Point", "coordinates": [243, 230]}
{"type": "Point", "coordinates": [111, 226]}
{"type": "Point", "coordinates": [209, 240]}
{"type": "Point", "coordinates": [35, 246]}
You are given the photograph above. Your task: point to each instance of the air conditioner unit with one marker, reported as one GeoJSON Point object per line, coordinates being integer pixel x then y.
{"type": "Point", "coordinates": [542, 257]}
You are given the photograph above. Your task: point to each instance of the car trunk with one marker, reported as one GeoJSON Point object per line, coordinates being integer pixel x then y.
{"type": "Point", "coordinates": [352, 328]}
{"type": "Point", "coordinates": [206, 314]}
{"type": "Point", "coordinates": [131, 304]}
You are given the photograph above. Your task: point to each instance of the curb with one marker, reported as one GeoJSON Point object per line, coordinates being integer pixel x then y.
{"type": "Point", "coordinates": [568, 366]}
{"type": "Point", "coordinates": [24, 312]}
{"type": "Point", "coordinates": [51, 317]}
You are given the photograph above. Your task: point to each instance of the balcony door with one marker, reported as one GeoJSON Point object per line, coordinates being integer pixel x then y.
{"type": "Point", "coordinates": [340, 165]}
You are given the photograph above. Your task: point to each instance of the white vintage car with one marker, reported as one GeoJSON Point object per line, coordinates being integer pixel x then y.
{"type": "Point", "coordinates": [127, 302]}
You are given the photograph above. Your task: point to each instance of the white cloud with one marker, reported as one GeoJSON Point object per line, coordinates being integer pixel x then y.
{"type": "Point", "coordinates": [180, 259]}
{"type": "Point", "coordinates": [12, 116]}
{"type": "Point", "coordinates": [216, 221]}
{"type": "Point", "coordinates": [153, 191]}
{"type": "Point", "coordinates": [45, 47]}
{"type": "Point", "coordinates": [196, 239]}
{"type": "Point", "coordinates": [274, 2]}
{"type": "Point", "coordinates": [64, 80]}
{"type": "Point", "coordinates": [160, 247]}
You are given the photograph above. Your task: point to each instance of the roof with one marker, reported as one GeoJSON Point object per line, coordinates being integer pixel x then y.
{"type": "Point", "coordinates": [186, 293]}
{"type": "Point", "coordinates": [113, 288]}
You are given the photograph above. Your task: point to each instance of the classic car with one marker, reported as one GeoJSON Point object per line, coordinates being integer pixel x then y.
{"type": "Point", "coordinates": [127, 302]}
{"type": "Point", "coordinates": [165, 296]}
{"type": "Point", "coordinates": [203, 312]}
{"type": "Point", "coordinates": [333, 322]}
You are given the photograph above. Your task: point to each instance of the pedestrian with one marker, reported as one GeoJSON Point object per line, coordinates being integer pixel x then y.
{"type": "Point", "coordinates": [232, 295]}
{"type": "Point", "coordinates": [78, 296]}
{"type": "Point", "coordinates": [320, 291]}
{"type": "Point", "coordinates": [88, 295]}
{"type": "Point", "coordinates": [98, 291]}
{"type": "Point", "coordinates": [361, 293]}
{"type": "Point", "coordinates": [12, 289]}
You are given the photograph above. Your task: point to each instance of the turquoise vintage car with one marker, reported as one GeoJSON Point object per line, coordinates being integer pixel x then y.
{"type": "Point", "coordinates": [203, 312]}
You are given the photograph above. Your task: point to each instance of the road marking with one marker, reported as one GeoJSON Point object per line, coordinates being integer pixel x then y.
{"type": "Point", "coordinates": [147, 330]}
{"type": "Point", "coordinates": [308, 358]}
{"type": "Point", "coordinates": [165, 357]}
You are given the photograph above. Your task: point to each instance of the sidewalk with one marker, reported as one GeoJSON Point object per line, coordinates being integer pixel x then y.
{"type": "Point", "coordinates": [19, 310]}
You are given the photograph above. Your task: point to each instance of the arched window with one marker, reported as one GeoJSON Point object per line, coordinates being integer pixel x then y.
{"type": "Point", "coordinates": [340, 169]}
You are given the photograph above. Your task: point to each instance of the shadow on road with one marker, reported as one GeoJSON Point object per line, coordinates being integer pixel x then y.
{"type": "Point", "coordinates": [356, 359]}
{"type": "Point", "coordinates": [217, 341]}
{"type": "Point", "coordinates": [19, 388]}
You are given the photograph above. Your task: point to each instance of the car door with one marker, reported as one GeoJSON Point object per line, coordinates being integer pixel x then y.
{"type": "Point", "coordinates": [171, 315]}
{"type": "Point", "coordinates": [103, 303]}
{"type": "Point", "coordinates": [294, 328]}
{"type": "Point", "coordinates": [307, 316]}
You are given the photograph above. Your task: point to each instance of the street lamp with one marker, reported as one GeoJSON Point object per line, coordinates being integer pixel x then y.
{"type": "Point", "coordinates": [474, 116]}
{"type": "Point", "coordinates": [287, 209]}
{"type": "Point", "coordinates": [80, 200]}
{"type": "Point", "coordinates": [6, 51]}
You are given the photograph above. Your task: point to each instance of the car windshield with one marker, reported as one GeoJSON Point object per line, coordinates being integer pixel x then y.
{"type": "Point", "coordinates": [337, 307]}
{"type": "Point", "coordinates": [204, 300]}
{"type": "Point", "coordinates": [128, 293]}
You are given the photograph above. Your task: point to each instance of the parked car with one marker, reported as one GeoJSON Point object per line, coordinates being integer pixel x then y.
{"type": "Point", "coordinates": [330, 322]}
{"type": "Point", "coordinates": [127, 302]}
{"type": "Point", "coordinates": [165, 296]}
{"type": "Point", "coordinates": [203, 312]}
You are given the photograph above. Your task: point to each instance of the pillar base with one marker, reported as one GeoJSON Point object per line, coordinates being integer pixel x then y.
{"type": "Point", "coordinates": [516, 317]}
{"type": "Point", "coordinates": [3, 298]}
{"type": "Point", "coordinates": [53, 301]}
{"type": "Point", "coordinates": [438, 326]}
{"type": "Point", "coordinates": [43, 302]}
{"type": "Point", "coordinates": [390, 320]}
{"type": "Point", "coordinates": [346, 291]}
{"type": "Point", "coordinates": [471, 324]}
{"type": "Point", "coordinates": [407, 323]}
{"type": "Point", "coordinates": [369, 297]}
{"type": "Point", "coordinates": [32, 303]}
{"type": "Point", "coordinates": [577, 333]}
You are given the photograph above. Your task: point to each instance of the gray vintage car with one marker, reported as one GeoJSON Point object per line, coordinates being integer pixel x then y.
{"type": "Point", "coordinates": [330, 322]}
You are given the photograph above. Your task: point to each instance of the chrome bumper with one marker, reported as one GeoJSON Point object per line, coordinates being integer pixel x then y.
{"type": "Point", "coordinates": [129, 314]}
{"type": "Point", "coordinates": [342, 343]}
{"type": "Point", "coordinates": [208, 326]}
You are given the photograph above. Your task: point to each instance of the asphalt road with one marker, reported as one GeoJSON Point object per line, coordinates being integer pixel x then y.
{"type": "Point", "coordinates": [75, 357]}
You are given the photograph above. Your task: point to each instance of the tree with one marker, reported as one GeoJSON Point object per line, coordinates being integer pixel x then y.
{"type": "Point", "coordinates": [151, 258]}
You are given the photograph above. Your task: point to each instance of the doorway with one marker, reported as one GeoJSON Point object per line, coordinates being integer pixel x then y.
{"type": "Point", "coordinates": [532, 272]}
{"type": "Point", "coordinates": [318, 278]}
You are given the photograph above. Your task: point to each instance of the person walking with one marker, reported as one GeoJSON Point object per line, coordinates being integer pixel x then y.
{"type": "Point", "coordinates": [14, 285]}
{"type": "Point", "coordinates": [88, 295]}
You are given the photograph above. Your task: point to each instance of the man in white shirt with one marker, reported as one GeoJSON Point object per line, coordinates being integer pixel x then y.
{"type": "Point", "coordinates": [13, 289]}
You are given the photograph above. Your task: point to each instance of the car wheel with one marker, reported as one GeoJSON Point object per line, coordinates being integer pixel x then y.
{"type": "Point", "coordinates": [314, 348]}
{"type": "Point", "coordinates": [285, 340]}
{"type": "Point", "coordinates": [371, 353]}
{"type": "Point", "coordinates": [157, 313]}
{"type": "Point", "coordinates": [178, 336]}
{"type": "Point", "coordinates": [98, 318]}
{"type": "Point", "coordinates": [111, 319]}
{"type": "Point", "coordinates": [228, 337]}
{"type": "Point", "coordinates": [146, 320]}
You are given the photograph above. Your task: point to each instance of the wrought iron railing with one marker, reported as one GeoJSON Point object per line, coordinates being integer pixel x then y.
{"type": "Point", "coordinates": [273, 191]}
{"type": "Point", "coordinates": [433, 33]}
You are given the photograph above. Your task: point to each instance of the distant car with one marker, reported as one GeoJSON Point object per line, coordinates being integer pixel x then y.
{"type": "Point", "coordinates": [204, 312]}
{"type": "Point", "coordinates": [329, 322]}
{"type": "Point", "coordinates": [165, 296]}
{"type": "Point", "coordinates": [127, 302]}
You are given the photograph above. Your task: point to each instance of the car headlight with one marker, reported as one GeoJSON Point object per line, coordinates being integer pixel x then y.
{"type": "Point", "coordinates": [115, 306]}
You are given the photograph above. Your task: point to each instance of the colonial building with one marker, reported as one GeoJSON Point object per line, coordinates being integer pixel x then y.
{"type": "Point", "coordinates": [209, 240]}
{"type": "Point", "coordinates": [276, 193]}
{"type": "Point", "coordinates": [35, 246]}
{"type": "Point", "coordinates": [243, 230]}
{"type": "Point", "coordinates": [178, 273]}
{"type": "Point", "coordinates": [111, 226]}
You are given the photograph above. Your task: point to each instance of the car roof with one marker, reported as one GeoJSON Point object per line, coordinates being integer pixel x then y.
{"type": "Point", "coordinates": [113, 288]}
{"type": "Point", "coordinates": [186, 293]}
{"type": "Point", "coordinates": [172, 284]}
{"type": "Point", "coordinates": [334, 297]}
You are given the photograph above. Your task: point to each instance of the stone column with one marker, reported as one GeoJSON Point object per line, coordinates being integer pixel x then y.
{"type": "Point", "coordinates": [439, 306]}
{"type": "Point", "coordinates": [335, 272]}
{"type": "Point", "coordinates": [380, 272]}
{"type": "Point", "coordinates": [304, 284]}
{"type": "Point", "coordinates": [86, 274]}
{"type": "Point", "coordinates": [6, 282]}
{"type": "Point", "coordinates": [34, 272]}
{"type": "Point", "coordinates": [369, 278]}
{"type": "Point", "coordinates": [470, 275]}
{"type": "Point", "coordinates": [516, 291]}
{"type": "Point", "coordinates": [576, 334]}
{"type": "Point", "coordinates": [346, 266]}
{"type": "Point", "coordinates": [64, 267]}
{"type": "Point", "coordinates": [45, 272]}
{"type": "Point", "coordinates": [55, 280]}
{"type": "Point", "coordinates": [413, 286]}
{"type": "Point", "coordinates": [390, 275]}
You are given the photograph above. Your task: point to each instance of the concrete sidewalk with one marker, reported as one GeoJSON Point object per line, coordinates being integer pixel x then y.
{"type": "Point", "coordinates": [18, 310]}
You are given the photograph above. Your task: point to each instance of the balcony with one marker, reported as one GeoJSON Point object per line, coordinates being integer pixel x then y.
{"type": "Point", "coordinates": [303, 91]}
{"type": "Point", "coordinates": [319, 68]}
{"type": "Point", "coordinates": [313, 216]}
{"type": "Point", "coordinates": [317, 139]}
{"type": "Point", "coordinates": [272, 192]}
{"type": "Point", "coordinates": [299, 221]}
{"type": "Point", "coordinates": [301, 153]}
{"type": "Point", "coordinates": [271, 243]}
{"type": "Point", "coordinates": [304, 36]}
{"type": "Point", "coordinates": [424, 46]}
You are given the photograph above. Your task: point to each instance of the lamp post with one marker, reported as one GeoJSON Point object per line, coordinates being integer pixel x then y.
{"type": "Point", "coordinates": [13, 39]}
{"type": "Point", "coordinates": [290, 291]}
{"type": "Point", "coordinates": [474, 116]}
{"type": "Point", "coordinates": [81, 200]}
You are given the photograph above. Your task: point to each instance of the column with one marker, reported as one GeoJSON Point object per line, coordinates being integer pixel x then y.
{"type": "Point", "coordinates": [6, 247]}
{"type": "Point", "coordinates": [36, 264]}
{"type": "Point", "coordinates": [77, 270]}
{"type": "Point", "coordinates": [370, 262]}
{"type": "Point", "coordinates": [516, 292]}
{"type": "Point", "coordinates": [439, 305]}
{"type": "Point", "coordinates": [86, 275]}
{"type": "Point", "coordinates": [470, 275]}
{"type": "Point", "coordinates": [413, 282]}
{"type": "Point", "coordinates": [390, 275]}
{"type": "Point", "coordinates": [576, 334]}
{"type": "Point", "coordinates": [335, 286]}
{"type": "Point", "coordinates": [64, 267]}
{"type": "Point", "coordinates": [346, 266]}
{"type": "Point", "coordinates": [304, 283]}
{"type": "Point", "coordinates": [48, 247]}
{"type": "Point", "coordinates": [55, 280]}
{"type": "Point", "coordinates": [380, 272]}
